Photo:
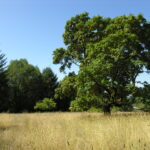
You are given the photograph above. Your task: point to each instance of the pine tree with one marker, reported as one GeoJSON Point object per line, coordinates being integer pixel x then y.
{"type": "Point", "coordinates": [3, 84]}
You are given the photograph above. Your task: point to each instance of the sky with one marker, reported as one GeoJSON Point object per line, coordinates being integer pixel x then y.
{"type": "Point", "coordinates": [33, 29]}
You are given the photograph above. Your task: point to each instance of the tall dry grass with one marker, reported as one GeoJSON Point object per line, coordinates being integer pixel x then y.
{"type": "Point", "coordinates": [74, 131]}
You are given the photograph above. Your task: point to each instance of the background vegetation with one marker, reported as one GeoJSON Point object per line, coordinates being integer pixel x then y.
{"type": "Point", "coordinates": [110, 54]}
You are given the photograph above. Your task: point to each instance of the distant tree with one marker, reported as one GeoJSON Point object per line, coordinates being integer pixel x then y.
{"type": "Point", "coordinates": [49, 81]}
{"type": "Point", "coordinates": [142, 97]}
{"type": "Point", "coordinates": [66, 92]}
{"type": "Point", "coordinates": [3, 84]}
{"type": "Point", "coordinates": [45, 105]}
{"type": "Point", "coordinates": [111, 53]}
{"type": "Point", "coordinates": [25, 83]}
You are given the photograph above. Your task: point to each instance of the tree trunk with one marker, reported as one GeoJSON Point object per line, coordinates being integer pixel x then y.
{"type": "Point", "coordinates": [107, 110]}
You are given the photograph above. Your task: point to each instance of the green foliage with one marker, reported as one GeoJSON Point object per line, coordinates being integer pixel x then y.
{"type": "Point", "coordinates": [115, 109]}
{"type": "Point", "coordinates": [93, 109]}
{"type": "Point", "coordinates": [142, 97]}
{"type": "Point", "coordinates": [85, 102]}
{"type": "Point", "coordinates": [45, 105]}
{"type": "Point", "coordinates": [66, 92]}
{"type": "Point", "coordinates": [24, 82]}
{"type": "Point", "coordinates": [76, 105]}
{"type": "Point", "coordinates": [28, 85]}
{"type": "Point", "coordinates": [146, 96]}
{"type": "Point", "coordinates": [111, 53]}
{"type": "Point", "coordinates": [2, 62]}
{"type": "Point", "coordinates": [49, 83]}
{"type": "Point", "coordinates": [3, 84]}
{"type": "Point", "coordinates": [79, 32]}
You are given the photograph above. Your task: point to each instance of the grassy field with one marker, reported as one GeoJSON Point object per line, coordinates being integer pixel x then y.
{"type": "Point", "coordinates": [74, 131]}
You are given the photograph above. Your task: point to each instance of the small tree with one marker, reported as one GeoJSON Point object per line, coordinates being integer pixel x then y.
{"type": "Point", "coordinates": [142, 97]}
{"type": "Point", "coordinates": [45, 105]}
{"type": "Point", "coordinates": [66, 92]}
{"type": "Point", "coordinates": [49, 83]}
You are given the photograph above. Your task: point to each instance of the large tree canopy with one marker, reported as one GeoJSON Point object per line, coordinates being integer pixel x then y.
{"type": "Point", "coordinates": [79, 32]}
{"type": "Point", "coordinates": [111, 53]}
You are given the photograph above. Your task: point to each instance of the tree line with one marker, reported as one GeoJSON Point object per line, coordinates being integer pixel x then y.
{"type": "Point", "coordinates": [110, 54]}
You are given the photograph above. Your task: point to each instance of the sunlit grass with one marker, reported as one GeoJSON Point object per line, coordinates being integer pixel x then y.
{"type": "Point", "coordinates": [74, 131]}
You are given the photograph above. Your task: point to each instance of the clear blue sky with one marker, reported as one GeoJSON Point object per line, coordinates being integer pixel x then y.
{"type": "Point", "coordinates": [32, 29]}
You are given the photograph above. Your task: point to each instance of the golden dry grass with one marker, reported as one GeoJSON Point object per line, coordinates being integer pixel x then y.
{"type": "Point", "coordinates": [74, 131]}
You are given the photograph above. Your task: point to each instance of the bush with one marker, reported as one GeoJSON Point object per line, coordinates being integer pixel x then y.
{"type": "Point", "coordinates": [45, 105]}
{"type": "Point", "coordinates": [94, 109]}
